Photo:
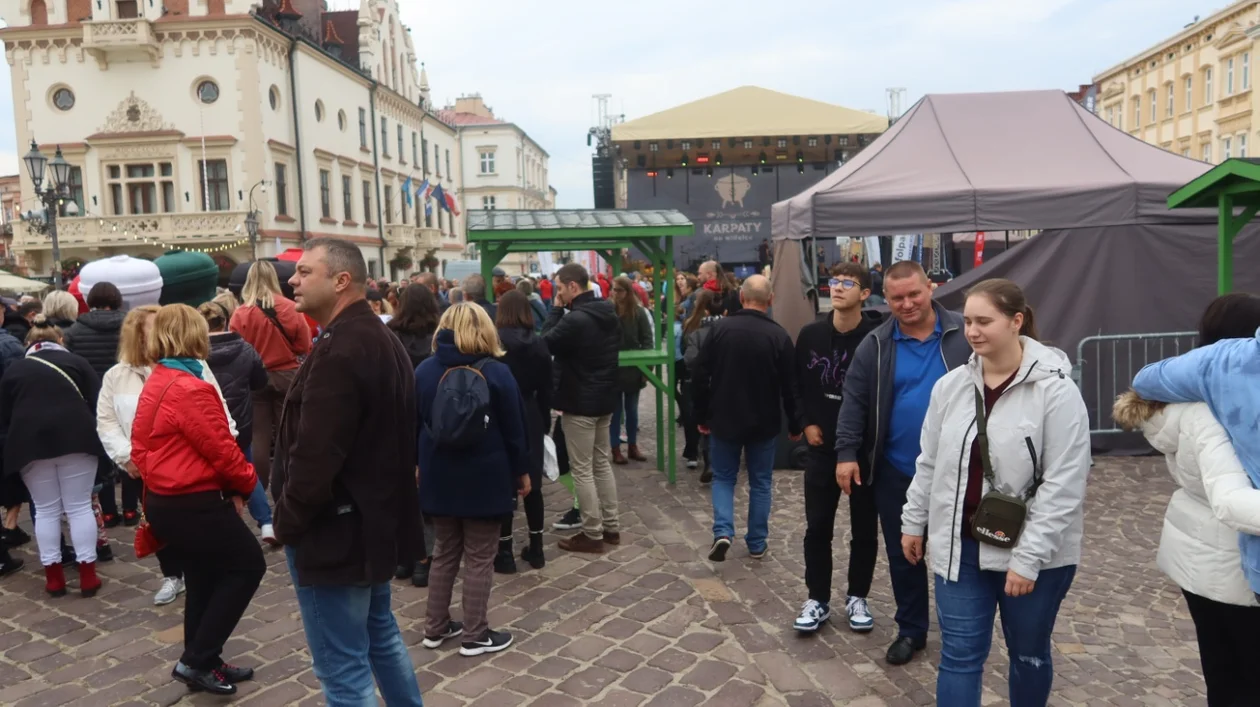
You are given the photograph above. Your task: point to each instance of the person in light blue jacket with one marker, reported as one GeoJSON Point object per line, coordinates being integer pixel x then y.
{"type": "Point", "coordinates": [1226, 376]}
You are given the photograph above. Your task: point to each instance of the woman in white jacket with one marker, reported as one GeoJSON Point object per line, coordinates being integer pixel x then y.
{"type": "Point", "coordinates": [985, 556]}
{"type": "Point", "coordinates": [1198, 548]}
{"type": "Point", "coordinates": [116, 410]}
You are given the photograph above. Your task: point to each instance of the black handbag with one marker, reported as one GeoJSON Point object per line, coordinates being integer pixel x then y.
{"type": "Point", "coordinates": [999, 519]}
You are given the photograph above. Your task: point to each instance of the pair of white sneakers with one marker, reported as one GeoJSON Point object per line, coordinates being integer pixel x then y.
{"type": "Point", "coordinates": [814, 614]}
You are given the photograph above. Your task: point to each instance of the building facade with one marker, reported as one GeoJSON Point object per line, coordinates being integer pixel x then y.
{"type": "Point", "coordinates": [183, 117]}
{"type": "Point", "coordinates": [1192, 93]}
{"type": "Point", "coordinates": [503, 167]}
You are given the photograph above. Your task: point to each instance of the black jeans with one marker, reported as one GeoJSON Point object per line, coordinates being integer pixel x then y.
{"type": "Point", "coordinates": [1229, 649]}
{"type": "Point", "coordinates": [686, 412]}
{"type": "Point", "coordinates": [910, 582]}
{"type": "Point", "coordinates": [130, 494]}
{"type": "Point", "coordinates": [223, 566]}
{"type": "Point", "coordinates": [822, 499]}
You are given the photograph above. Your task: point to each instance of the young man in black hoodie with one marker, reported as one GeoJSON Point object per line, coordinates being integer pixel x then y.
{"type": "Point", "coordinates": [823, 352]}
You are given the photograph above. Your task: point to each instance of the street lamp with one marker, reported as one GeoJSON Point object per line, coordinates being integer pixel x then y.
{"type": "Point", "coordinates": [251, 220]}
{"type": "Point", "coordinates": [38, 166]}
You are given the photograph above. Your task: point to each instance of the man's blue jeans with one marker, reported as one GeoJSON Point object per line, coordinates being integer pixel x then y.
{"type": "Point", "coordinates": [965, 610]}
{"type": "Point", "coordinates": [259, 509]}
{"type": "Point", "coordinates": [630, 403]}
{"type": "Point", "coordinates": [724, 455]}
{"type": "Point", "coordinates": [353, 636]}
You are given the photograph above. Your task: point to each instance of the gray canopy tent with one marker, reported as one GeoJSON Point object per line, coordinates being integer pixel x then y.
{"type": "Point", "coordinates": [996, 162]}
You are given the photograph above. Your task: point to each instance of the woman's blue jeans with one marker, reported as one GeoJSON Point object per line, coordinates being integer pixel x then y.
{"type": "Point", "coordinates": [966, 609]}
{"type": "Point", "coordinates": [629, 402]}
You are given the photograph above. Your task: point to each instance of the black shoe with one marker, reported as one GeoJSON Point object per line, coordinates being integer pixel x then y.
{"type": "Point", "coordinates": [706, 475]}
{"type": "Point", "coordinates": [571, 520]}
{"type": "Point", "coordinates": [14, 537]}
{"type": "Point", "coordinates": [404, 570]}
{"type": "Point", "coordinates": [453, 629]}
{"type": "Point", "coordinates": [111, 520]}
{"type": "Point", "coordinates": [490, 642]}
{"type": "Point", "coordinates": [534, 556]}
{"type": "Point", "coordinates": [13, 565]}
{"type": "Point", "coordinates": [211, 681]}
{"type": "Point", "coordinates": [421, 576]}
{"type": "Point", "coordinates": [504, 561]}
{"type": "Point", "coordinates": [235, 674]}
{"type": "Point", "coordinates": [717, 553]}
{"type": "Point", "coordinates": [903, 649]}
{"type": "Point", "coordinates": [104, 553]}
{"type": "Point", "coordinates": [131, 518]}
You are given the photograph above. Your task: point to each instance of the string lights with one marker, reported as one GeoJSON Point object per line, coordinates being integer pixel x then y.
{"type": "Point", "coordinates": [152, 241]}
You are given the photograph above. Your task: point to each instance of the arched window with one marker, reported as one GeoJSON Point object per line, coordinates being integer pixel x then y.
{"type": "Point", "coordinates": [39, 12]}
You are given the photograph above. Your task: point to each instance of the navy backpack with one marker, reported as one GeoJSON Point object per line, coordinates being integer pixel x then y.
{"type": "Point", "coordinates": [460, 413]}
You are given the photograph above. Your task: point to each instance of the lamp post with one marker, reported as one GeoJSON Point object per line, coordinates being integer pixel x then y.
{"type": "Point", "coordinates": [37, 166]}
{"type": "Point", "coordinates": [251, 220]}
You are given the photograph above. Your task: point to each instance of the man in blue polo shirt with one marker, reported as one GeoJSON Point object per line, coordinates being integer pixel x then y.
{"type": "Point", "coordinates": [886, 394]}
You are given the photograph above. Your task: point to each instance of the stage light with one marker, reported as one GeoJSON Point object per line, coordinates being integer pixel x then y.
{"type": "Point", "coordinates": [762, 157]}
{"type": "Point", "coordinates": [684, 159]}
{"type": "Point", "coordinates": [708, 172]}
{"type": "Point", "coordinates": [702, 159]}
{"type": "Point", "coordinates": [754, 170]}
{"type": "Point", "coordinates": [669, 172]}
{"type": "Point", "coordinates": [800, 157]}
{"type": "Point", "coordinates": [800, 169]}
{"type": "Point", "coordinates": [718, 159]}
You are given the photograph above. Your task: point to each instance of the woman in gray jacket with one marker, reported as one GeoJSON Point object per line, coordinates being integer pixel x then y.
{"type": "Point", "coordinates": [1001, 484]}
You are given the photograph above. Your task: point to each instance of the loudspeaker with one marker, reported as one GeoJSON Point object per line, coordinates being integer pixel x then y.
{"type": "Point", "coordinates": [602, 179]}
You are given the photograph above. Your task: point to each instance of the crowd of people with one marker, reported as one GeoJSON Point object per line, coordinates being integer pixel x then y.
{"type": "Point", "coordinates": [379, 431]}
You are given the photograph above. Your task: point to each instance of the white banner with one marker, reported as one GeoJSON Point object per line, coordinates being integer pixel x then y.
{"type": "Point", "coordinates": [903, 248]}
{"type": "Point", "coordinates": [872, 251]}
{"type": "Point", "coordinates": [545, 265]}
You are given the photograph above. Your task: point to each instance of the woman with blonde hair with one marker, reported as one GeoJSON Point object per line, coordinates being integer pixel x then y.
{"type": "Point", "coordinates": [46, 404]}
{"type": "Point", "coordinates": [61, 309]}
{"type": "Point", "coordinates": [270, 323]}
{"type": "Point", "coordinates": [115, 415]}
{"type": "Point", "coordinates": [197, 480]}
{"type": "Point", "coordinates": [474, 459]}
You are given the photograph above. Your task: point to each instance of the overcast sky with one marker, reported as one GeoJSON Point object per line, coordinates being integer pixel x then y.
{"type": "Point", "coordinates": [538, 63]}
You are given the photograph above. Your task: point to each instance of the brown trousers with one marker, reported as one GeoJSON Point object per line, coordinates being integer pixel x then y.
{"type": "Point", "coordinates": [476, 540]}
{"type": "Point", "coordinates": [268, 404]}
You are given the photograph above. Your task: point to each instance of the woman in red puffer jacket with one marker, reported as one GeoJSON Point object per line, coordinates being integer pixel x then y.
{"type": "Point", "coordinates": [196, 479]}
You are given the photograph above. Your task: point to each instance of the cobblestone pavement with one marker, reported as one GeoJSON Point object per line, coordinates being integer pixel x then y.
{"type": "Point", "coordinates": [651, 623]}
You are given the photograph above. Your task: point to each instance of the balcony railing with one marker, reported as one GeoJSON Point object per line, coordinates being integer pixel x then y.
{"type": "Point", "coordinates": [171, 230]}
{"type": "Point", "coordinates": [130, 39]}
{"type": "Point", "coordinates": [419, 238]}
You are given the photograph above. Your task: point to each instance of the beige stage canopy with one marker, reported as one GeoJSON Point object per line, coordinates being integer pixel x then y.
{"type": "Point", "coordinates": [750, 111]}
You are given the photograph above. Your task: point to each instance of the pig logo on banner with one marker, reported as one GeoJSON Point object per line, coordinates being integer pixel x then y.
{"type": "Point", "coordinates": [733, 189]}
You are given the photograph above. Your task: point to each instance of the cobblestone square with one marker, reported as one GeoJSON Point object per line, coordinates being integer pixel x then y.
{"type": "Point", "coordinates": [650, 623]}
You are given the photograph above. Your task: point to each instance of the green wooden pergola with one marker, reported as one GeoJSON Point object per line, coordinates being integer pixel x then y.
{"type": "Point", "coordinates": [1232, 185]}
{"type": "Point", "coordinates": [497, 233]}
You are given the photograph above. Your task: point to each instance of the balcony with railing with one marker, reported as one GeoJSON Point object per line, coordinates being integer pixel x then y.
{"type": "Point", "coordinates": [121, 40]}
{"type": "Point", "coordinates": [406, 236]}
{"type": "Point", "coordinates": [170, 230]}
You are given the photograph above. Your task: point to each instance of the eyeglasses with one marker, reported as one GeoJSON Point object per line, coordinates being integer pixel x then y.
{"type": "Point", "coordinates": [842, 284]}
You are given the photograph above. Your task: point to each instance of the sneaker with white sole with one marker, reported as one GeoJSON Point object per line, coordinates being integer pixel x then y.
{"type": "Point", "coordinates": [571, 520]}
{"type": "Point", "coordinates": [269, 535]}
{"type": "Point", "coordinates": [860, 619]}
{"type": "Point", "coordinates": [453, 629]}
{"type": "Point", "coordinates": [717, 553]}
{"type": "Point", "coordinates": [490, 642]}
{"type": "Point", "coordinates": [812, 617]}
{"type": "Point", "coordinates": [171, 588]}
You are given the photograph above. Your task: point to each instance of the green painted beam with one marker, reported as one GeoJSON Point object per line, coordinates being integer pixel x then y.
{"type": "Point", "coordinates": [543, 246]}
{"type": "Point", "coordinates": [618, 233]}
{"type": "Point", "coordinates": [1203, 190]}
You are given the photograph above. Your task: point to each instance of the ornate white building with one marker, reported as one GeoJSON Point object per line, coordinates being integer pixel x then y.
{"type": "Point", "coordinates": [182, 116]}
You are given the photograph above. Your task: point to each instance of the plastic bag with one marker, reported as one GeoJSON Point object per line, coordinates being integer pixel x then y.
{"type": "Point", "coordinates": [551, 464]}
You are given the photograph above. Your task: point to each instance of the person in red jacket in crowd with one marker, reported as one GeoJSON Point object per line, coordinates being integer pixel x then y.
{"type": "Point", "coordinates": [270, 322]}
{"type": "Point", "coordinates": [545, 291]}
{"type": "Point", "coordinates": [196, 480]}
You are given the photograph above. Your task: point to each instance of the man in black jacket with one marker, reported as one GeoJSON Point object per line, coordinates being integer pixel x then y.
{"type": "Point", "coordinates": [743, 376]}
{"type": "Point", "coordinates": [823, 352]}
{"type": "Point", "coordinates": [344, 480]}
{"type": "Point", "coordinates": [584, 336]}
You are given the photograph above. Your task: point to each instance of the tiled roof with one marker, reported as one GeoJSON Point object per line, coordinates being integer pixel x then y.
{"type": "Point", "coordinates": [451, 117]}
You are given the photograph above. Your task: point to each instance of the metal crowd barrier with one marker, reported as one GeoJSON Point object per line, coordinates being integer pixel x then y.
{"type": "Point", "coordinates": [1105, 367]}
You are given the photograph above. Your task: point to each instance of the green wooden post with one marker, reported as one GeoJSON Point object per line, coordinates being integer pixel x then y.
{"type": "Point", "coordinates": [667, 316]}
{"type": "Point", "coordinates": [1226, 229]}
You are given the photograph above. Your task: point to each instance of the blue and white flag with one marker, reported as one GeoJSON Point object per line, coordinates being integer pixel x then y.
{"type": "Point", "coordinates": [407, 190]}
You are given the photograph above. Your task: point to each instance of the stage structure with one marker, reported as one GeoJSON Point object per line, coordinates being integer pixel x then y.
{"type": "Point", "coordinates": [724, 160]}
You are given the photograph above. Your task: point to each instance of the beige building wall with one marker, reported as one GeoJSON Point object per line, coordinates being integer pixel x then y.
{"type": "Point", "coordinates": [1192, 94]}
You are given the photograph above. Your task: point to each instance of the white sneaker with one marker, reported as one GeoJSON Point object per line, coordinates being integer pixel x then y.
{"type": "Point", "coordinates": [813, 614]}
{"type": "Point", "coordinates": [172, 587]}
{"type": "Point", "coordinates": [860, 619]}
{"type": "Point", "coordinates": [269, 535]}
